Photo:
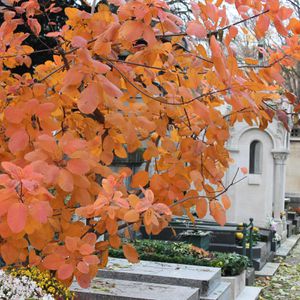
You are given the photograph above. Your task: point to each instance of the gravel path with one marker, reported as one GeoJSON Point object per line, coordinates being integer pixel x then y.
{"type": "Point", "coordinates": [285, 284]}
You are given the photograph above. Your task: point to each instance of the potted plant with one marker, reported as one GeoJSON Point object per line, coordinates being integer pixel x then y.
{"type": "Point", "coordinates": [197, 238]}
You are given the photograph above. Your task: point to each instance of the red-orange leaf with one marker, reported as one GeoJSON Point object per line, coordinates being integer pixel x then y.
{"type": "Point", "coordinates": [86, 249]}
{"type": "Point", "coordinates": [197, 29]}
{"type": "Point", "coordinates": [65, 180]}
{"type": "Point", "coordinates": [72, 243]}
{"type": "Point", "coordinates": [65, 271]}
{"type": "Point", "coordinates": [18, 141]}
{"type": "Point", "coordinates": [16, 217]}
{"type": "Point", "coordinates": [226, 201]}
{"type": "Point", "coordinates": [89, 99]}
{"type": "Point", "coordinates": [91, 259]}
{"type": "Point", "coordinates": [41, 211]}
{"type": "Point", "coordinates": [53, 261]}
{"type": "Point", "coordinates": [78, 166]}
{"type": "Point", "coordinates": [132, 30]}
{"type": "Point", "coordinates": [218, 212]}
{"type": "Point", "coordinates": [83, 267]}
{"type": "Point", "coordinates": [132, 216]}
{"type": "Point", "coordinates": [83, 280]}
{"type": "Point", "coordinates": [130, 253]}
{"type": "Point", "coordinates": [34, 26]}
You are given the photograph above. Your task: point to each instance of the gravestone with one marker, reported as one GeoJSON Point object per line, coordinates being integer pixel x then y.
{"type": "Point", "coordinates": [113, 289]}
{"type": "Point", "coordinates": [206, 279]}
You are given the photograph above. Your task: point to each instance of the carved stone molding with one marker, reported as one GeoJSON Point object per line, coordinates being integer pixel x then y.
{"type": "Point", "coordinates": [280, 157]}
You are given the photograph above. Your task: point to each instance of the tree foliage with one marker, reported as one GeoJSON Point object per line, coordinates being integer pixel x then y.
{"type": "Point", "coordinates": [119, 81]}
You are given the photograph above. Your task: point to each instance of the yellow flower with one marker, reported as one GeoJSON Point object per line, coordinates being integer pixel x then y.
{"type": "Point", "coordinates": [255, 229]}
{"type": "Point", "coordinates": [239, 235]}
{"type": "Point", "coordinates": [247, 245]}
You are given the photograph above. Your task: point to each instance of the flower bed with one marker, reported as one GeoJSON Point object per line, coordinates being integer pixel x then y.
{"type": "Point", "coordinates": [31, 283]}
{"type": "Point", "coordinates": [20, 288]}
{"type": "Point", "coordinates": [232, 264]}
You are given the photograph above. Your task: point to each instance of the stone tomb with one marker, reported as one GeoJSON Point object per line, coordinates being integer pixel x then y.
{"type": "Point", "coordinates": [206, 279]}
{"type": "Point", "coordinates": [112, 289]}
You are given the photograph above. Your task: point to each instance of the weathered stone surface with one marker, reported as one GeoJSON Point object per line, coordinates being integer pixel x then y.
{"type": "Point", "coordinates": [269, 269]}
{"type": "Point", "coordinates": [249, 293]}
{"type": "Point", "coordinates": [221, 292]}
{"type": "Point", "coordinates": [250, 276]}
{"type": "Point", "coordinates": [204, 278]}
{"type": "Point", "coordinates": [238, 283]}
{"type": "Point", "coordinates": [287, 246]}
{"type": "Point", "coordinates": [112, 289]}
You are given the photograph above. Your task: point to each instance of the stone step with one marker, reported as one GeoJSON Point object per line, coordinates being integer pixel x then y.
{"type": "Point", "coordinates": [112, 289]}
{"type": "Point", "coordinates": [249, 293]}
{"type": "Point", "coordinates": [221, 292]}
{"type": "Point", "coordinates": [286, 247]}
{"type": "Point", "coordinates": [268, 269]}
{"type": "Point", "coordinates": [206, 279]}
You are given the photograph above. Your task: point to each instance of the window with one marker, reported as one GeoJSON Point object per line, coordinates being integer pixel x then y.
{"type": "Point", "coordinates": [295, 132]}
{"type": "Point", "coordinates": [255, 164]}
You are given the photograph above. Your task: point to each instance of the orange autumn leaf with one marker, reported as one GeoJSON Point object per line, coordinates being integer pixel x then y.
{"type": "Point", "coordinates": [17, 216]}
{"type": "Point", "coordinates": [18, 141]}
{"type": "Point", "coordinates": [89, 99]}
{"type": "Point", "coordinates": [53, 261]}
{"type": "Point", "coordinates": [130, 253]}
{"type": "Point", "coordinates": [131, 30]}
{"type": "Point", "coordinates": [115, 241]}
{"type": "Point", "coordinates": [65, 271]}
{"type": "Point", "coordinates": [131, 216]}
{"type": "Point", "coordinates": [226, 201]}
{"type": "Point", "coordinates": [126, 87]}
{"type": "Point", "coordinates": [218, 212]}
{"type": "Point", "coordinates": [196, 29]}
{"type": "Point", "coordinates": [86, 249]}
{"type": "Point", "coordinates": [251, 61]}
{"type": "Point", "coordinates": [78, 166]}
{"type": "Point", "coordinates": [83, 280]}
{"type": "Point", "coordinates": [140, 179]}
{"type": "Point", "coordinates": [65, 180]}
{"type": "Point", "coordinates": [201, 207]}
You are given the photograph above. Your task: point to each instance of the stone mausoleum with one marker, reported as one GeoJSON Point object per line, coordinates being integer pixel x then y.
{"type": "Point", "coordinates": [261, 194]}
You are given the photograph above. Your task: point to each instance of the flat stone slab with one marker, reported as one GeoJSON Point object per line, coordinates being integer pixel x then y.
{"type": "Point", "coordinates": [268, 269]}
{"type": "Point", "coordinates": [286, 247]}
{"type": "Point", "coordinates": [203, 278]}
{"type": "Point", "coordinates": [112, 289]}
{"type": "Point", "coordinates": [249, 293]}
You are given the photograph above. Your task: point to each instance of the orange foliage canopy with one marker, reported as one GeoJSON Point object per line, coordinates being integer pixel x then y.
{"type": "Point", "coordinates": [116, 83]}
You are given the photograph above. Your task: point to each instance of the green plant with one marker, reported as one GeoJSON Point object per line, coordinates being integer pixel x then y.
{"type": "Point", "coordinates": [255, 236]}
{"type": "Point", "coordinates": [231, 264]}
